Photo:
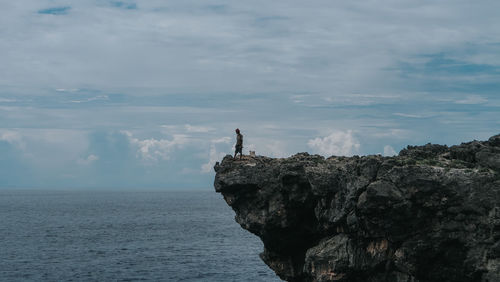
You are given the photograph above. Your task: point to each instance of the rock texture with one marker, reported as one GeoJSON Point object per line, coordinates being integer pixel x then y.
{"type": "Point", "coordinates": [430, 214]}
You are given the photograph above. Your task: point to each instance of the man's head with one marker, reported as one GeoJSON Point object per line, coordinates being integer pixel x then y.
{"type": "Point", "coordinates": [237, 130]}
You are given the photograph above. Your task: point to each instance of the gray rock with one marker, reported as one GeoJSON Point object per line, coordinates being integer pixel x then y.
{"type": "Point", "coordinates": [432, 213]}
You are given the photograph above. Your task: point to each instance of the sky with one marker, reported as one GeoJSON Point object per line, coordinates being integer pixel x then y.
{"type": "Point", "coordinates": [99, 94]}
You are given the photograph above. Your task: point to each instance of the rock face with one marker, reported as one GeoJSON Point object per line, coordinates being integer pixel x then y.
{"type": "Point", "coordinates": [430, 214]}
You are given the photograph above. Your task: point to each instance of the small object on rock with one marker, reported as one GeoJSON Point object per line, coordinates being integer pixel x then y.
{"type": "Point", "coordinates": [252, 153]}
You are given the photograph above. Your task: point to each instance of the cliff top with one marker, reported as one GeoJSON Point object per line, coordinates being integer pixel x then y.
{"type": "Point", "coordinates": [456, 156]}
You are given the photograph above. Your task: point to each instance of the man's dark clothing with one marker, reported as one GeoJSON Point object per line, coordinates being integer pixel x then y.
{"type": "Point", "coordinates": [239, 143]}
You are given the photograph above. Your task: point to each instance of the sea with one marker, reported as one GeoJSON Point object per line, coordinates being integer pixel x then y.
{"type": "Point", "coordinates": [125, 236]}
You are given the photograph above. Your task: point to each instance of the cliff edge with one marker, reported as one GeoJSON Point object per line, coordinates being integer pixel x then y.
{"type": "Point", "coordinates": [432, 213]}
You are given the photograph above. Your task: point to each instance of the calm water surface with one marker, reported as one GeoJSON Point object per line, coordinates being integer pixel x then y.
{"type": "Point", "coordinates": [124, 236]}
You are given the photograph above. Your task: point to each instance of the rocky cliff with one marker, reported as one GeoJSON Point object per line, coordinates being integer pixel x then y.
{"type": "Point", "coordinates": [432, 213]}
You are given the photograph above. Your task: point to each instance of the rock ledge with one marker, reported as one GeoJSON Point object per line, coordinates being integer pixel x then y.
{"type": "Point", "coordinates": [430, 214]}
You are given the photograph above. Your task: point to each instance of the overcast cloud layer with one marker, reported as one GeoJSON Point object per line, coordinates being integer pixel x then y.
{"type": "Point", "coordinates": [147, 94]}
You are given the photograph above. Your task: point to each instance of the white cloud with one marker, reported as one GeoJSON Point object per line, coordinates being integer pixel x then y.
{"type": "Point", "coordinates": [157, 149]}
{"type": "Point", "coordinates": [299, 98]}
{"type": "Point", "coordinates": [15, 138]}
{"type": "Point", "coordinates": [5, 100]}
{"type": "Point", "coordinates": [472, 100]}
{"type": "Point", "coordinates": [360, 99]}
{"type": "Point", "coordinates": [391, 133]}
{"type": "Point", "coordinates": [88, 160]}
{"type": "Point", "coordinates": [409, 115]}
{"type": "Point", "coordinates": [389, 151]}
{"type": "Point", "coordinates": [47, 148]}
{"type": "Point", "coordinates": [214, 155]}
{"type": "Point", "coordinates": [96, 98]}
{"type": "Point", "coordinates": [10, 136]}
{"type": "Point", "coordinates": [225, 140]}
{"type": "Point", "coordinates": [198, 129]}
{"type": "Point", "coordinates": [270, 148]}
{"type": "Point", "coordinates": [66, 90]}
{"type": "Point", "coordinates": [277, 149]}
{"type": "Point", "coordinates": [338, 143]}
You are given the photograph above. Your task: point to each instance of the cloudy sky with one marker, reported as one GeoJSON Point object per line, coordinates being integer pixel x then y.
{"type": "Point", "coordinates": [147, 94]}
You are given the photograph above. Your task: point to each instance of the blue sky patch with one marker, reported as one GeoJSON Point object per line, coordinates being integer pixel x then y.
{"type": "Point", "coordinates": [439, 63]}
{"type": "Point", "coordinates": [55, 10]}
{"type": "Point", "coordinates": [124, 5]}
{"type": "Point", "coordinates": [219, 9]}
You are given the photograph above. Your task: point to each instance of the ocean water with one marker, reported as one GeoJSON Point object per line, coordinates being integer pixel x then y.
{"type": "Point", "coordinates": [125, 236]}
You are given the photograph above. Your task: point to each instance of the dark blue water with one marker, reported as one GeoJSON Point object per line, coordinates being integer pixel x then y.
{"type": "Point", "coordinates": [125, 236]}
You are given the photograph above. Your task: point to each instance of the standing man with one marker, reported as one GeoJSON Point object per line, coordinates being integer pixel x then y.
{"type": "Point", "coordinates": [239, 143]}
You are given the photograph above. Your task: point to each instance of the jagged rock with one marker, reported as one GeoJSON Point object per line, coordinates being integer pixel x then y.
{"type": "Point", "coordinates": [430, 214]}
